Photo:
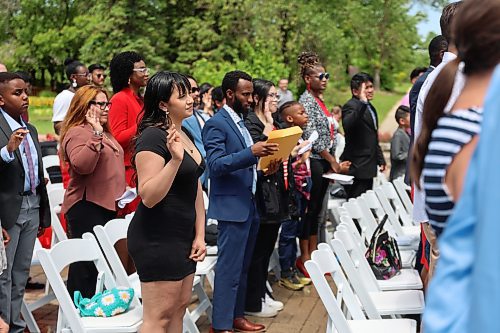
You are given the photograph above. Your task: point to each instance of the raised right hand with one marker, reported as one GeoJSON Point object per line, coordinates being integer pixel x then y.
{"type": "Point", "coordinates": [362, 93]}
{"type": "Point", "coordinates": [93, 118]}
{"type": "Point", "coordinates": [16, 138]}
{"type": "Point", "coordinates": [262, 148]}
{"type": "Point", "coordinates": [174, 144]}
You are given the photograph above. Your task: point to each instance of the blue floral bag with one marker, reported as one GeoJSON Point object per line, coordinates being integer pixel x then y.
{"type": "Point", "coordinates": [106, 304]}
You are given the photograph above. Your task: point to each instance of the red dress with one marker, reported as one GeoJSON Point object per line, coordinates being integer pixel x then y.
{"type": "Point", "coordinates": [123, 120]}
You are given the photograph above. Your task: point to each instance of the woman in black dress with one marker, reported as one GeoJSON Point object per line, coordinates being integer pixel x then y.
{"type": "Point", "coordinates": [166, 235]}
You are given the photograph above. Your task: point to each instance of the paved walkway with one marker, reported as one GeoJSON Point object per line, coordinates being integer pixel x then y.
{"type": "Point", "coordinates": [303, 311]}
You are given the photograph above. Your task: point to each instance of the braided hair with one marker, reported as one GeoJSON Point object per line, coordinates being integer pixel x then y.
{"type": "Point", "coordinates": [308, 60]}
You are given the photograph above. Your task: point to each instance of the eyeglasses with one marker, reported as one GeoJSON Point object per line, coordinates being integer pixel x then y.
{"type": "Point", "coordinates": [101, 75]}
{"type": "Point", "coordinates": [322, 76]}
{"type": "Point", "coordinates": [194, 90]}
{"type": "Point", "coordinates": [101, 105]}
{"type": "Point", "coordinates": [144, 70]}
{"type": "Point", "coordinates": [274, 95]}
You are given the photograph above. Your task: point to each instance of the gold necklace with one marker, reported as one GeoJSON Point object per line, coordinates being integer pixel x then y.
{"type": "Point", "coordinates": [190, 147]}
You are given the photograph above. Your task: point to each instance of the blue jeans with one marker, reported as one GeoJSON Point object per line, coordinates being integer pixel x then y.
{"type": "Point", "coordinates": [287, 246]}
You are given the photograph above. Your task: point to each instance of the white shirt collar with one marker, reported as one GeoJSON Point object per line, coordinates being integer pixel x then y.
{"type": "Point", "coordinates": [448, 57]}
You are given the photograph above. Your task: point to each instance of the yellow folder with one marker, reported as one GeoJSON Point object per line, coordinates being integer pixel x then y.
{"type": "Point", "coordinates": [287, 139]}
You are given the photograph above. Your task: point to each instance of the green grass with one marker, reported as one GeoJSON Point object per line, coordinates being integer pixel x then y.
{"type": "Point", "coordinates": [41, 118]}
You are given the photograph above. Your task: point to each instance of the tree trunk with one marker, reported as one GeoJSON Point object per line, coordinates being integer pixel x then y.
{"type": "Point", "coordinates": [376, 79]}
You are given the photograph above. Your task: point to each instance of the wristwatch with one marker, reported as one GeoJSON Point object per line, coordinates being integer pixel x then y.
{"type": "Point", "coordinates": [98, 133]}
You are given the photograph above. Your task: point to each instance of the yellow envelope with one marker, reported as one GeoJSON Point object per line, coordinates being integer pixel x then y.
{"type": "Point", "coordinates": [287, 139]}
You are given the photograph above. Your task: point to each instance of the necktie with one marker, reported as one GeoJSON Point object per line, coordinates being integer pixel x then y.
{"type": "Point", "coordinates": [31, 168]}
{"type": "Point", "coordinates": [372, 113]}
{"type": "Point", "coordinates": [249, 143]}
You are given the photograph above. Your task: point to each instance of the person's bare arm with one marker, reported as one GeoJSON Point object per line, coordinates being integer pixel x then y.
{"type": "Point", "coordinates": [198, 248]}
{"type": "Point", "coordinates": [455, 176]}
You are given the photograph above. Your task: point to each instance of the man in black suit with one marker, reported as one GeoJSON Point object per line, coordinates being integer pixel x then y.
{"type": "Point", "coordinates": [360, 122]}
{"type": "Point", "coordinates": [24, 207]}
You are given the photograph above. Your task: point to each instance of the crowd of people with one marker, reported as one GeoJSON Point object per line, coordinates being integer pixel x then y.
{"type": "Point", "coordinates": [176, 141]}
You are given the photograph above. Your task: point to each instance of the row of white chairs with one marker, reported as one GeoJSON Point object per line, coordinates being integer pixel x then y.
{"type": "Point", "coordinates": [360, 301]}
{"type": "Point", "coordinates": [107, 236]}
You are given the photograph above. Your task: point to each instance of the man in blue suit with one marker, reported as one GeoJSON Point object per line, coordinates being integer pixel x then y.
{"type": "Point", "coordinates": [231, 158]}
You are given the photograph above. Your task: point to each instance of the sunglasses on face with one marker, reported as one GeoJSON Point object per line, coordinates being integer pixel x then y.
{"type": "Point", "coordinates": [101, 76]}
{"type": "Point", "coordinates": [144, 70]}
{"type": "Point", "coordinates": [195, 90]}
{"type": "Point", "coordinates": [101, 105]}
{"type": "Point", "coordinates": [322, 76]}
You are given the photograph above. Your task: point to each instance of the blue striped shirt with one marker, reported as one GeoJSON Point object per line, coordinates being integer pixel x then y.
{"type": "Point", "coordinates": [452, 132]}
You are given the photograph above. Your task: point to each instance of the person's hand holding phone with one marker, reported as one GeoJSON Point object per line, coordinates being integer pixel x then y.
{"type": "Point", "coordinates": [16, 138]}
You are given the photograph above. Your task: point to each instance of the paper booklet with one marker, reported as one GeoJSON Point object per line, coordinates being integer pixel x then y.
{"type": "Point", "coordinates": [340, 178]}
{"type": "Point", "coordinates": [287, 139]}
{"type": "Point", "coordinates": [127, 197]}
{"type": "Point", "coordinates": [314, 136]}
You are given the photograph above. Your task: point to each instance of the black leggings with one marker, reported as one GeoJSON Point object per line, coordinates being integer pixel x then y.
{"type": "Point", "coordinates": [257, 273]}
{"type": "Point", "coordinates": [82, 217]}
{"type": "Point", "coordinates": [318, 191]}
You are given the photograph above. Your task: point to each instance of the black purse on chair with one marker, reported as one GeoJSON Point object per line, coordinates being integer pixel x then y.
{"type": "Point", "coordinates": [383, 253]}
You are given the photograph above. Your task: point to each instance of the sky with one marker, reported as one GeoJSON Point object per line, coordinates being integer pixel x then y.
{"type": "Point", "coordinates": [431, 24]}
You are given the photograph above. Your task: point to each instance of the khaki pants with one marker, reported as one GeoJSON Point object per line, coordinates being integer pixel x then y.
{"type": "Point", "coordinates": [434, 253]}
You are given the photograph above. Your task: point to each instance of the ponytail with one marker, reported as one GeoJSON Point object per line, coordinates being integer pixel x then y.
{"type": "Point", "coordinates": [434, 106]}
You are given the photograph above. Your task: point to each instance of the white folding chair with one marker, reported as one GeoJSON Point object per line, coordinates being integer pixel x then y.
{"type": "Point", "coordinates": [396, 203]}
{"type": "Point", "coordinates": [394, 215]}
{"type": "Point", "coordinates": [75, 250]}
{"type": "Point", "coordinates": [404, 195]}
{"type": "Point", "coordinates": [408, 238]}
{"type": "Point", "coordinates": [337, 321]}
{"type": "Point", "coordinates": [49, 161]}
{"type": "Point", "coordinates": [405, 279]}
{"type": "Point", "coordinates": [115, 230]}
{"type": "Point", "coordinates": [56, 197]}
{"type": "Point", "coordinates": [375, 304]}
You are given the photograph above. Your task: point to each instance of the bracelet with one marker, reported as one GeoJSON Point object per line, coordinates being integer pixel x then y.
{"type": "Point", "coordinates": [98, 133]}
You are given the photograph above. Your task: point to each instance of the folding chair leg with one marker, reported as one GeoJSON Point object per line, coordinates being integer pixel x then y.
{"type": "Point", "coordinates": [29, 319]}
{"type": "Point", "coordinates": [188, 325]}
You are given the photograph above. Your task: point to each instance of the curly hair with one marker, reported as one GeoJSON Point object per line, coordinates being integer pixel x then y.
{"type": "Point", "coordinates": [308, 60]}
{"type": "Point", "coordinates": [120, 69]}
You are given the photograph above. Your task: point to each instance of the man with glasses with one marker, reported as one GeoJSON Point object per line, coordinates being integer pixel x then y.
{"type": "Point", "coordinates": [360, 122]}
{"type": "Point", "coordinates": [97, 75]}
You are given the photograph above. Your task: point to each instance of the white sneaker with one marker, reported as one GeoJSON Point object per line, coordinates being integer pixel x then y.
{"type": "Point", "coordinates": [277, 305]}
{"type": "Point", "coordinates": [266, 312]}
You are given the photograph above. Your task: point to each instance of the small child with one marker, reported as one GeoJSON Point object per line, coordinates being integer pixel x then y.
{"type": "Point", "coordinates": [298, 180]}
{"type": "Point", "coordinates": [400, 143]}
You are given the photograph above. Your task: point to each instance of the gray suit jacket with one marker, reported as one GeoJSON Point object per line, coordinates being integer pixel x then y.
{"type": "Point", "coordinates": [12, 181]}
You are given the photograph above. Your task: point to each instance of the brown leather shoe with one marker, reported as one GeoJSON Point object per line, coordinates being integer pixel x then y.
{"type": "Point", "coordinates": [243, 325]}
{"type": "Point", "coordinates": [212, 330]}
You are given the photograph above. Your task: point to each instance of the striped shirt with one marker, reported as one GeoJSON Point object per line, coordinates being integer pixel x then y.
{"type": "Point", "coordinates": [452, 132]}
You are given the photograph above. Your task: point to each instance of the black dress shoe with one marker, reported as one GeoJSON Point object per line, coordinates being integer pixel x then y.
{"type": "Point", "coordinates": [34, 285]}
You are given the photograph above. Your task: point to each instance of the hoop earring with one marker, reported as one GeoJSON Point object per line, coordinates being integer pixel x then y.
{"type": "Point", "coordinates": [74, 84]}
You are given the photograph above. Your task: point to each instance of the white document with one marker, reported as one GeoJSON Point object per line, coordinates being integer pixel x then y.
{"type": "Point", "coordinates": [127, 197]}
{"type": "Point", "coordinates": [341, 179]}
{"type": "Point", "coordinates": [314, 136]}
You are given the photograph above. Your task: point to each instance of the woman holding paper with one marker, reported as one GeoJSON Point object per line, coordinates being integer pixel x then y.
{"type": "Point", "coordinates": [271, 200]}
{"type": "Point", "coordinates": [322, 155]}
{"type": "Point", "coordinates": [97, 175]}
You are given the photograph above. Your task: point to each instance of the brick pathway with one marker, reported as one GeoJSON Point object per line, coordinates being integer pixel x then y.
{"type": "Point", "coordinates": [303, 311]}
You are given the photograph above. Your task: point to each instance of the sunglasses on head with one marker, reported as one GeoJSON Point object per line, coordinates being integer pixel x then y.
{"type": "Point", "coordinates": [322, 76]}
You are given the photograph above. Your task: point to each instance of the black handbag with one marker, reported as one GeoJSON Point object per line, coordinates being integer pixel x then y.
{"type": "Point", "coordinates": [383, 253]}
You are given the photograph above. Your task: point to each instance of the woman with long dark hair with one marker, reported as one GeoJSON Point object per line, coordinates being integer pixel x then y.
{"type": "Point", "coordinates": [322, 156]}
{"type": "Point", "coordinates": [167, 234]}
{"type": "Point", "coordinates": [271, 201]}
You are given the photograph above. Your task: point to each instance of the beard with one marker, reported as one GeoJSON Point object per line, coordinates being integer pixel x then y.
{"type": "Point", "coordinates": [239, 108]}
